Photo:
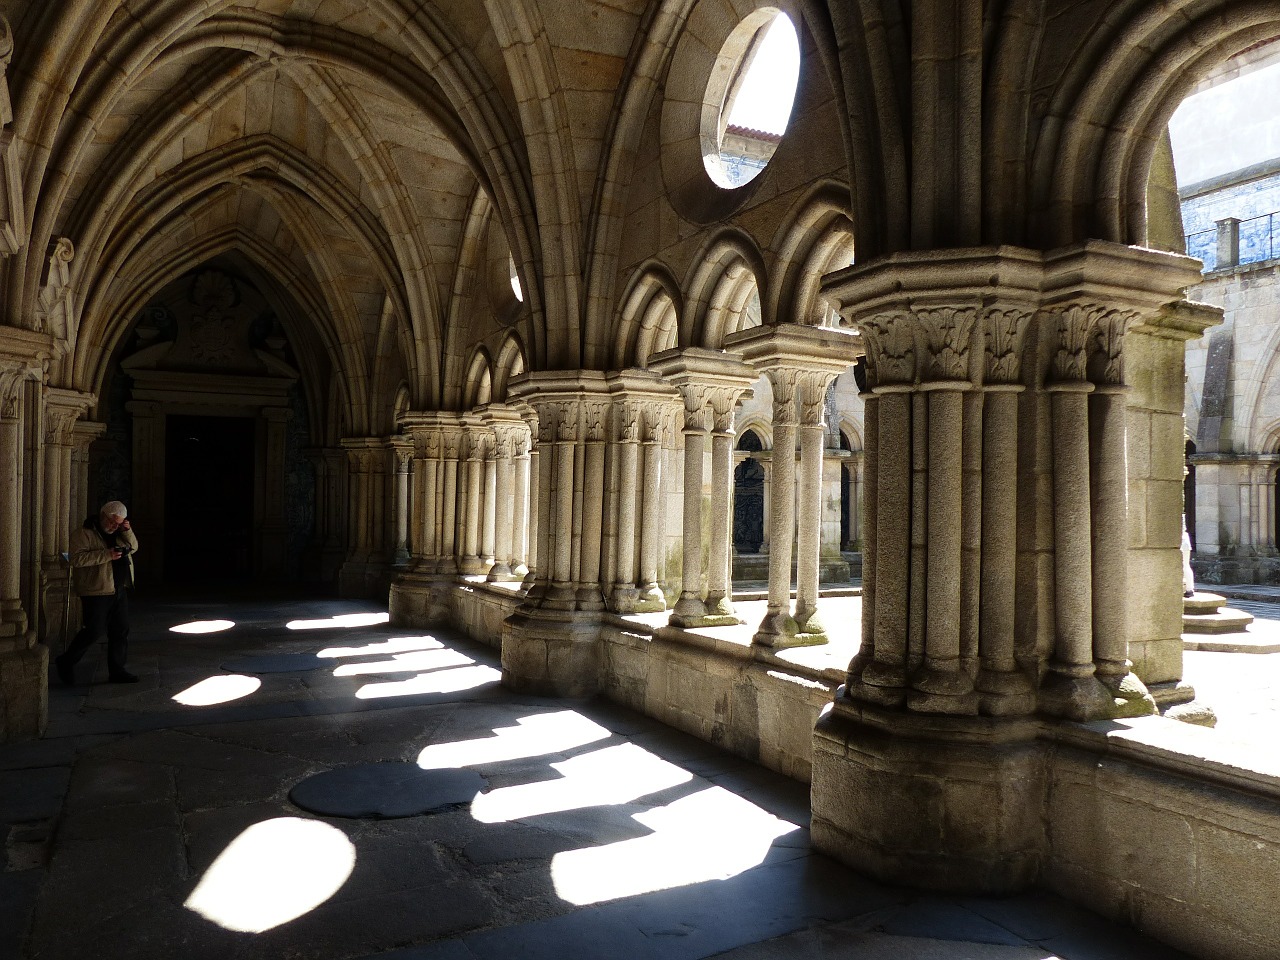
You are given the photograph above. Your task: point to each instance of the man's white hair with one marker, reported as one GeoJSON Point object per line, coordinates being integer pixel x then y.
{"type": "Point", "coordinates": [114, 508]}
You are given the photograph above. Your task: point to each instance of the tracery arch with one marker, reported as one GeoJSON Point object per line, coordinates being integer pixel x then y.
{"type": "Point", "coordinates": [726, 275]}
{"type": "Point", "coordinates": [648, 320]}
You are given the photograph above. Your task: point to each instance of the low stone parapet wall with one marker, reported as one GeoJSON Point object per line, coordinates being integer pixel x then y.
{"type": "Point", "coordinates": [1170, 828]}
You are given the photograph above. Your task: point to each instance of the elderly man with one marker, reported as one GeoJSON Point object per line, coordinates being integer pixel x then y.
{"type": "Point", "coordinates": [102, 572]}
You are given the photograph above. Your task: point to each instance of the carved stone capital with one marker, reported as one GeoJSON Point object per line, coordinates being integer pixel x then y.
{"type": "Point", "coordinates": [626, 421]}
{"type": "Point", "coordinates": [1005, 330]}
{"type": "Point", "coordinates": [594, 419]}
{"type": "Point", "coordinates": [947, 334]}
{"type": "Point", "coordinates": [890, 344]}
{"type": "Point", "coordinates": [1073, 327]}
{"type": "Point", "coordinates": [1106, 360]}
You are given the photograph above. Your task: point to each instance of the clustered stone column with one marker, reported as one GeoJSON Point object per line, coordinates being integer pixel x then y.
{"type": "Point", "coordinates": [326, 552]}
{"type": "Point", "coordinates": [23, 662]}
{"type": "Point", "coordinates": [635, 510]}
{"type": "Point", "coordinates": [367, 565]}
{"type": "Point", "coordinates": [996, 545]}
{"type": "Point", "coordinates": [402, 451]}
{"type": "Point", "coordinates": [800, 363]}
{"type": "Point", "coordinates": [63, 410]}
{"type": "Point", "coordinates": [508, 506]}
{"type": "Point", "coordinates": [711, 384]}
{"type": "Point", "coordinates": [469, 512]}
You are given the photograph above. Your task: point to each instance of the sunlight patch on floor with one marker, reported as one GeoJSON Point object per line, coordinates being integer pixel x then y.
{"type": "Point", "coordinates": [441, 681]}
{"type": "Point", "coordinates": [392, 645]}
{"type": "Point", "coordinates": [203, 626]}
{"type": "Point", "coordinates": [220, 689]}
{"type": "Point", "coordinates": [711, 835]}
{"type": "Point", "coordinates": [341, 621]}
{"type": "Point", "coordinates": [406, 663]}
{"type": "Point", "coordinates": [274, 872]}
{"type": "Point", "coordinates": [533, 736]}
{"type": "Point", "coordinates": [610, 776]}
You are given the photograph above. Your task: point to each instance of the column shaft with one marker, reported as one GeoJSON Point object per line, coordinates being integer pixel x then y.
{"type": "Point", "coordinates": [778, 625]}
{"type": "Point", "coordinates": [650, 518]}
{"type": "Point", "coordinates": [719, 602]}
{"type": "Point", "coordinates": [808, 526]}
{"type": "Point", "coordinates": [892, 550]}
{"type": "Point", "coordinates": [1110, 497]}
{"type": "Point", "coordinates": [624, 588]}
{"type": "Point", "coordinates": [590, 596]}
{"type": "Point", "coordinates": [489, 532]}
{"type": "Point", "coordinates": [690, 608]}
{"type": "Point", "coordinates": [1073, 608]}
{"type": "Point", "coordinates": [520, 518]}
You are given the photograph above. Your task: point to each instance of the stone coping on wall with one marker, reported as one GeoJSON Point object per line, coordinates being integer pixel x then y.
{"type": "Point", "coordinates": [827, 663]}
{"type": "Point", "coordinates": [1184, 749]}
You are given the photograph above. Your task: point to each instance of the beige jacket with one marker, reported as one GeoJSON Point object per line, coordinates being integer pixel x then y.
{"type": "Point", "coordinates": [91, 561]}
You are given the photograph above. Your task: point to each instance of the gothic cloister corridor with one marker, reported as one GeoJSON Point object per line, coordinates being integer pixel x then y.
{"type": "Point", "coordinates": [598, 833]}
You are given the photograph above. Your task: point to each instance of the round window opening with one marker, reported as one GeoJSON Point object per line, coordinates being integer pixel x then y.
{"type": "Point", "coordinates": [749, 98]}
{"type": "Point", "coordinates": [515, 279]}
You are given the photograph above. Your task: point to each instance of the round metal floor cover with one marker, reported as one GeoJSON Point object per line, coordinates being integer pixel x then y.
{"type": "Point", "coordinates": [385, 790]}
{"type": "Point", "coordinates": [276, 663]}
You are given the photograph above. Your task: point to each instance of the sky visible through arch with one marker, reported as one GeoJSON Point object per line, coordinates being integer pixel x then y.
{"type": "Point", "coordinates": [768, 90]}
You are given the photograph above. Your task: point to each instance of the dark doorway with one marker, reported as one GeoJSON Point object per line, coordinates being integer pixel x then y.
{"type": "Point", "coordinates": [748, 498]}
{"type": "Point", "coordinates": [208, 516]}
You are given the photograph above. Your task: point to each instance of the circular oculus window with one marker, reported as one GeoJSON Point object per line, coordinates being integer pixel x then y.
{"type": "Point", "coordinates": [749, 97]}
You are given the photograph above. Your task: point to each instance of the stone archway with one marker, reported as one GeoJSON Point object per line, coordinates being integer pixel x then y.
{"type": "Point", "coordinates": [208, 361]}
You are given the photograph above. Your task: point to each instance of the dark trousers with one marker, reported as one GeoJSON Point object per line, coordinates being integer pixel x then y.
{"type": "Point", "coordinates": [109, 615]}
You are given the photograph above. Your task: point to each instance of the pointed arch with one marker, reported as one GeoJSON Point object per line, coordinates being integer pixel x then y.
{"type": "Point", "coordinates": [649, 316]}
{"type": "Point", "coordinates": [511, 363]}
{"type": "Point", "coordinates": [726, 273]}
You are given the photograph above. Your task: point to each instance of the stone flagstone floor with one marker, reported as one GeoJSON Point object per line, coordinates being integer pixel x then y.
{"type": "Point", "coordinates": [155, 820]}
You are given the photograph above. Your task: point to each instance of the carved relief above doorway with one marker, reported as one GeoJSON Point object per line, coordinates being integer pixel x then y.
{"type": "Point", "coordinates": [209, 350]}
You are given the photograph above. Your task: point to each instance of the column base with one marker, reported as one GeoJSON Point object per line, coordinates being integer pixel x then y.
{"type": "Point", "coordinates": [417, 600]}
{"type": "Point", "coordinates": [551, 656]}
{"type": "Point", "coordinates": [934, 803]}
{"type": "Point", "coordinates": [1129, 696]}
{"type": "Point", "coordinates": [13, 620]}
{"type": "Point", "coordinates": [780, 630]}
{"type": "Point", "coordinates": [1005, 693]}
{"type": "Point", "coordinates": [472, 566]}
{"type": "Point", "coordinates": [24, 691]}
{"type": "Point", "coordinates": [59, 606]}
{"type": "Point", "coordinates": [502, 573]}
{"type": "Point", "coordinates": [1080, 698]}
{"type": "Point", "coordinates": [688, 611]}
{"type": "Point", "coordinates": [934, 690]}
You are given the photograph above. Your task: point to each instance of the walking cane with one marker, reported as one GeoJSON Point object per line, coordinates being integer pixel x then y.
{"type": "Point", "coordinates": [66, 605]}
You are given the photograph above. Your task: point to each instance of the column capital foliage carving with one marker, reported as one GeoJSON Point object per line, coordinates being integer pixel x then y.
{"type": "Point", "coordinates": [1106, 361]}
{"type": "Point", "coordinates": [947, 333]}
{"type": "Point", "coordinates": [451, 442]}
{"type": "Point", "coordinates": [12, 376]}
{"type": "Point", "coordinates": [1006, 330]}
{"type": "Point", "coordinates": [567, 421]}
{"type": "Point", "coordinates": [59, 425]}
{"type": "Point", "coordinates": [627, 416]}
{"type": "Point", "coordinates": [811, 395]}
{"type": "Point", "coordinates": [784, 382]}
{"type": "Point", "coordinates": [593, 419]}
{"type": "Point", "coordinates": [655, 420]}
{"type": "Point", "coordinates": [1089, 332]}
{"type": "Point", "coordinates": [694, 397]}
{"type": "Point", "coordinates": [890, 345]}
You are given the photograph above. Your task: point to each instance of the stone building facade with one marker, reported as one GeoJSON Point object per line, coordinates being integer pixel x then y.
{"type": "Point", "coordinates": [459, 281]}
{"type": "Point", "coordinates": [1231, 212]}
